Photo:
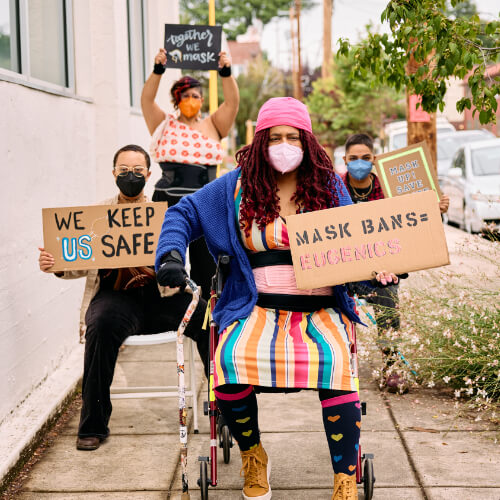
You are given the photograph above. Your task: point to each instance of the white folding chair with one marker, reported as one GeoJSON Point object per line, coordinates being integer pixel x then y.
{"type": "Point", "coordinates": [161, 391]}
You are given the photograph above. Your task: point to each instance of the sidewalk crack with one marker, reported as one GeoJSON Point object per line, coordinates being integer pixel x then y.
{"type": "Point", "coordinates": [413, 467]}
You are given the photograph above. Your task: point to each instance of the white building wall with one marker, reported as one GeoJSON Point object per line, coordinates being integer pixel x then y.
{"type": "Point", "coordinates": [57, 151]}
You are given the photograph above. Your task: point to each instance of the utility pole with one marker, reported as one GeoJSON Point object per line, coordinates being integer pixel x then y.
{"type": "Point", "coordinates": [327, 38]}
{"type": "Point", "coordinates": [212, 82]}
{"type": "Point", "coordinates": [296, 60]}
{"type": "Point", "coordinates": [421, 125]}
{"type": "Point", "coordinates": [294, 51]}
{"type": "Point", "coordinates": [299, 60]}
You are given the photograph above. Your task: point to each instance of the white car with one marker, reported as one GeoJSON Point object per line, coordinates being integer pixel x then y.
{"type": "Point", "coordinates": [473, 185]}
{"type": "Point", "coordinates": [448, 144]}
{"type": "Point", "coordinates": [395, 133]}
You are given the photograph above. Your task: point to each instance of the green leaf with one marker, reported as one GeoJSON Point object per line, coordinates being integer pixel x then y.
{"type": "Point", "coordinates": [462, 104]}
{"type": "Point", "coordinates": [450, 66]}
{"type": "Point", "coordinates": [489, 28]}
{"type": "Point", "coordinates": [484, 116]}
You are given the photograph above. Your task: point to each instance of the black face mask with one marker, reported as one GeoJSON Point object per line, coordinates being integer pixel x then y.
{"type": "Point", "coordinates": [130, 185]}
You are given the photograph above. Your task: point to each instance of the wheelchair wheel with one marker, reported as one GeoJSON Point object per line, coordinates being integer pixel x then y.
{"type": "Point", "coordinates": [227, 443]}
{"type": "Point", "coordinates": [203, 481]}
{"type": "Point", "coordinates": [368, 478]}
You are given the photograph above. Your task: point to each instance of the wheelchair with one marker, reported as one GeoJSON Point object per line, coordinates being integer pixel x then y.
{"type": "Point", "coordinates": [220, 436]}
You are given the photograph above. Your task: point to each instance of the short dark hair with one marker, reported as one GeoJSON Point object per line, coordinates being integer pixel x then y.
{"type": "Point", "coordinates": [137, 149]}
{"type": "Point", "coordinates": [354, 139]}
{"type": "Point", "coordinates": [180, 86]}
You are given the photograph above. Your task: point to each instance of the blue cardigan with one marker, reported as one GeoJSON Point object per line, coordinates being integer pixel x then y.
{"type": "Point", "coordinates": [210, 212]}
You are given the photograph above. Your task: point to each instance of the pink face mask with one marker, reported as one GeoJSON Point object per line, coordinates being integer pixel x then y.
{"type": "Point", "coordinates": [285, 157]}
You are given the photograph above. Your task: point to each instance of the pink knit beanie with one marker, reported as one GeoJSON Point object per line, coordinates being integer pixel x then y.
{"type": "Point", "coordinates": [283, 111]}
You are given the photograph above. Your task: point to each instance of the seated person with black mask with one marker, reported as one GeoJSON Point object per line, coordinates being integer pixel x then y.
{"type": "Point", "coordinates": [118, 303]}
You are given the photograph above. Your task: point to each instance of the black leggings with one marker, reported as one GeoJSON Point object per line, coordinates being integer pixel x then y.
{"type": "Point", "coordinates": [341, 412]}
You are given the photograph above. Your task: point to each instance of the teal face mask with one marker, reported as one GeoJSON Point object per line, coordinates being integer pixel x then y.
{"type": "Point", "coordinates": [359, 169]}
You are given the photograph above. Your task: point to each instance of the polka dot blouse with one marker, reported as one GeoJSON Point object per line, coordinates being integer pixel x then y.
{"type": "Point", "coordinates": [177, 142]}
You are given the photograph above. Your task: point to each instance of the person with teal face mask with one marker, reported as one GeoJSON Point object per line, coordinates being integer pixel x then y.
{"type": "Point", "coordinates": [363, 185]}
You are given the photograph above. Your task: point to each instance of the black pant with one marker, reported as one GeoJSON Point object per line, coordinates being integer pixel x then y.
{"type": "Point", "coordinates": [385, 304]}
{"type": "Point", "coordinates": [202, 264]}
{"type": "Point", "coordinates": [113, 316]}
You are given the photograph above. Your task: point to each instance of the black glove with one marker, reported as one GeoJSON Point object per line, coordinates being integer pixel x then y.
{"type": "Point", "coordinates": [225, 71]}
{"type": "Point", "coordinates": [172, 272]}
{"type": "Point", "coordinates": [158, 69]}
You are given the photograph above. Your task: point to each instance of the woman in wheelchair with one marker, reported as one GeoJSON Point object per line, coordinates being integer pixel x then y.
{"type": "Point", "coordinates": [269, 337]}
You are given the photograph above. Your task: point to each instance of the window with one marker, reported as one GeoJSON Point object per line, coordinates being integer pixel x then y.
{"type": "Point", "coordinates": [460, 161]}
{"type": "Point", "coordinates": [137, 49]}
{"type": "Point", "coordinates": [9, 49]}
{"type": "Point", "coordinates": [486, 161]}
{"type": "Point", "coordinates": [400, 141]}
{"type": "Point", "coordinates": [36, 39]}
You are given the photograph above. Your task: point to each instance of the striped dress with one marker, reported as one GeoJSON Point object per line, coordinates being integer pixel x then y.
{"type": "Point", "coordinates": [275, 348]}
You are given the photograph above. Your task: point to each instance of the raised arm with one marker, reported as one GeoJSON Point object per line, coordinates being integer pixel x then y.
{"type": "Point", "coordinates": [153, 114]}
{"type": "Point", "coordinates": [224, 117]}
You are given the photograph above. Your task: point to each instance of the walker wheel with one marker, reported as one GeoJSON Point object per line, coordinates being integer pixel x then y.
{"type": "Point", "coordinates": [203, 481]}
{"type": "Point", "coordinates": [227, 443]}
{"type": "Point", "coordinates": [368, 478]}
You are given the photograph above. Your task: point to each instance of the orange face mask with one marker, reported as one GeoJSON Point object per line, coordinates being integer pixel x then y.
{"type": "Point", "coordinates": [190, 107]}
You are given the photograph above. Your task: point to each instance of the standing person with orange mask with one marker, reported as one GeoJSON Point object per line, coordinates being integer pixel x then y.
{"type": "Point", "coordinates": [187, 146]}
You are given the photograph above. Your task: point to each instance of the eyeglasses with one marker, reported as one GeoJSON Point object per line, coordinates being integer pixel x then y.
{"type": "Point", "coordinates": [138, 171]}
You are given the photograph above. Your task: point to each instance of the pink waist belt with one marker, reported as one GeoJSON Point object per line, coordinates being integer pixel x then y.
{"type": "Point", "coordinates": [274, 278]}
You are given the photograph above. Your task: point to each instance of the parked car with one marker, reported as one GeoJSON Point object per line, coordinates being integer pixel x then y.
{"type": "Point", "coordinates": [395, 133]}
{"type": "Point", "coordinates": [449, 142]}
{"type": "Point", "coordinates": [473, 185]}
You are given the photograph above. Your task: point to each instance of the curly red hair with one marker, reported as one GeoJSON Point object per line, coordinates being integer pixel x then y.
{"type": "Point", "coordinates": [317, 182]}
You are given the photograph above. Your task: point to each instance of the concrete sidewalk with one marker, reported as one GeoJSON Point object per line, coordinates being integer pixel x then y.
{"type": "Point", "coordinates": [422, 450]}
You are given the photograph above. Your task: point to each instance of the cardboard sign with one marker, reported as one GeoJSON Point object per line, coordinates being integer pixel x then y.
{"type": "Point", "coordinates": [344, 244]}
{"type": "Point", "coordinates": [192, 47]}
{"type": "Point", "coordinates": [417, 114]}
{"type": "Point", "coordinates": [407, 170]}
{"type": "Point", "coordinates": [103, 236]}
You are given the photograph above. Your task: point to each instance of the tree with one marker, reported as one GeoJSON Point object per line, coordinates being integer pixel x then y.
{"type": "Point", "coordinates": [442, 48]}
{"type": "Point", "coordinates": [341, 105]}
{"type": "Point", "coordinates": [465, 9]}
{"type": "Point", "coordinates": [260, 82]}
{"type": "Point", "coordinates": [235, 15]}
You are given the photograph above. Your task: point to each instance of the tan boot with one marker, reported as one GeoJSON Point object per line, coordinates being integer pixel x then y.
{"type": "Point", "coordinates": [345, 487]}
{"type": "Point", "coordinates": [256, 468]}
